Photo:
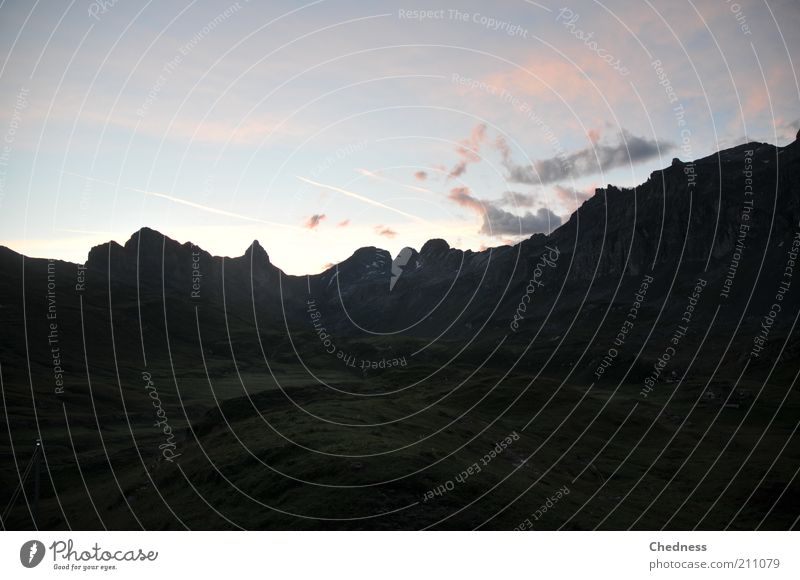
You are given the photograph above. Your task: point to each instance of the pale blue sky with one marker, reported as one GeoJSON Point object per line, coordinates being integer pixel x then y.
{"type": "Point", "coordinates": [221, 122]}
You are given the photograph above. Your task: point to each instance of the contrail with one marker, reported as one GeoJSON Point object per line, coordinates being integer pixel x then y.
{"type": "Point", "coordinates": [213, 209]}
{"type": "Point", "coordinates": [97, 179]}
{"type": "Point", "coordinates": [395, 182]}
{"type": "Point", "coordinates": [86, 232]}
{"type": "Point", "coordinates": [364, 199]}
{"type": "Point", "coordinates": [182, 201]}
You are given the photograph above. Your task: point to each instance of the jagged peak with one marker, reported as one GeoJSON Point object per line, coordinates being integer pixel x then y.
{"type": "Point", "coordinates": [434, 246]}
{"type": "Point", "coordinates": [149, 237]}
{"type": "Point", "coordinates": [369, 252]}
{"type": "Point", "coordinates": [256, 251]}
{"type": "Point", "coordinates": [145, 232]}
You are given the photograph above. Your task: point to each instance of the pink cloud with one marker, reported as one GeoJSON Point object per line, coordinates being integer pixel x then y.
{"type": "Point", "coordinates": [385, 231]}
{"type": "Point", "coordinates": [756, 102]}
{"type": "Point", "coordinates": [463, 197]}
{"type": "Point", "coordinates": [496, 221]}
{"type": "Point", "coordinates": [588, 87]}
{"type": "Point", "coordinates": [314, 221]}
{"type": "Point", "coordinates": [572, 198]}
{"type": "Point", "coordinates": [468, 150]}
{"type": "Point", "coordinates": [544, 78]}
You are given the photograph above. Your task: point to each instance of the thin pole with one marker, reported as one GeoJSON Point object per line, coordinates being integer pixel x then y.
{"type": "Point", "coordinates": [36, 454]}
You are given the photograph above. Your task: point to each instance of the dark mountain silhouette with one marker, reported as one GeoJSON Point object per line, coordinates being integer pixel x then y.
{"type": "Point", "coordinates": [670, 227]}
{"type": "Point", "coordinates": [236, 346]}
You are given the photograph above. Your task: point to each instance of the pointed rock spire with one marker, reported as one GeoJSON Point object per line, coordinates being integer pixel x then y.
{"type": "Point", "coordinates": [256, 252]}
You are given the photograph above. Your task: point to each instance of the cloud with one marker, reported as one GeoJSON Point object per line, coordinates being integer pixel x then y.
{"type": "Point", "coordinates": [544, 79]}
{"type": "Point", "coordinates": [516, 199]}
{"type": "Point", "coordinates": [374, 175]}
{"type": "Point", "coordinates": [566, 197]}
{"type": "Point", "coordinates": [314, 220]}
{"type": "Point", "coordinates": [787, 131]}
{"type": "Point", "coordinates": [385, 231]}
{"type": "Point", "coordinates": [498, 222]}
{"type": "Point", "coordinates": [569, 196]}
{"type": "Point", "coordinates": [501, 145]}
{"type": "Point", "coordinates": [756, 100]}
{"type": "Point", "coordinates": [602, 156]}
{"type": "Point", "coordinates": [463, 197]}
{"type": "Point", "coordinates": [421, 175]}
{"type": "Point", "coordinates": [343, 224]}
{"type": "Point", "coordinates": [468, 150]}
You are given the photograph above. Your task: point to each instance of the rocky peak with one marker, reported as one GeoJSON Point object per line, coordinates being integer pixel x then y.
{"type": "Point", "coordinates": [365, 264]}
{"type": "Point", "coordinates": [434, 246]}
{"type": "Point", "coordinates": [256, 253]}
{"type": "Point", "coordinates": [147, 239]}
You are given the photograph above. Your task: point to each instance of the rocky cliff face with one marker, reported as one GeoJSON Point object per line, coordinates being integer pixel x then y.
{"type": "Point", "coordinates": [689, 213]}
{"type": "Point", "coordinates": [739, 206]}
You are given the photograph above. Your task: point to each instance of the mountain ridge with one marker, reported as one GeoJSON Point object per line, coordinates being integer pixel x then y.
{"type": "Point", "coordinates": [684, 221]}
{"type": "Point", "coordinates": [154, 237]}
{"type": "Point", "coordinates": [651, 299]}
{"type": "Point", "coordinates": [438, 245]}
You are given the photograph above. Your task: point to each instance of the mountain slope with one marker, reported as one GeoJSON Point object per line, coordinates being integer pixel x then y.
{"type": "Point", "coordinates": [650, 314]}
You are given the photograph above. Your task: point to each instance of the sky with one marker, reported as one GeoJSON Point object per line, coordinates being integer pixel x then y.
{"type": "Point", "coordinates": [321, 127]}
